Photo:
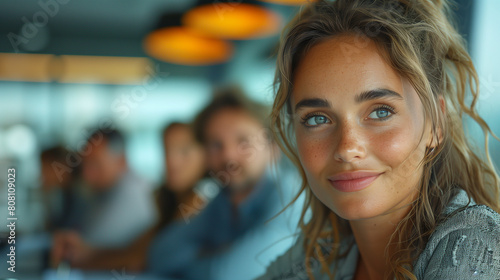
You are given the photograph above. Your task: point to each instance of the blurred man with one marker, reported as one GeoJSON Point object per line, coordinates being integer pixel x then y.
{"type": "Point", "coordinates": [231, 235]}
{"type": "Point", "coordinates": [121, 207]}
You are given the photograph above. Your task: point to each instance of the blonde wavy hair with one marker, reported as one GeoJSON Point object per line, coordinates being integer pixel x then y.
{"type": "Point", "coordinates": [422, 45]}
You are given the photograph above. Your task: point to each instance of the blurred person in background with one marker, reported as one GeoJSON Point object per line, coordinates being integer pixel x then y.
{"type": "Point", "coordinates": [185, 168]}
{"type": "Point", "coordinates": [177, 200]}
{"type": "Point", "coordinates": [121, 205]}
{"type": "Point", "coordinates": [62, 196]}
{"type": "Point", "coordinates": [230, 238]}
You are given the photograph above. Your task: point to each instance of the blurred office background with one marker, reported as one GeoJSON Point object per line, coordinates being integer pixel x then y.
{"type": "Point", "coordinates": [69, 65]}
{"type": "Point", "coordinates": [88, 64]}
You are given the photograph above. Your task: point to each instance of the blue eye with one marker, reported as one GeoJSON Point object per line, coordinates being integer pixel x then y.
{"type": "Point", "coordinates": [381, 113]}
{"type": "Point", "coordinates": [315, 120]}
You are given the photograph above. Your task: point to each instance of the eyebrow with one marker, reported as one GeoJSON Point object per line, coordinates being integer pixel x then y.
{"type": "Point", "coordinates": [312, 102]}
{"type": "Point", "coordinates": [362, 97]}
{"type": "Point", "coordinates": [375, 94]}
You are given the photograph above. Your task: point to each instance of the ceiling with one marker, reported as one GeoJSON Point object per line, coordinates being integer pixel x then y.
{"type": "Point", "coordinates": [114, 28]}
{"type": "Point", "coordinates": [117, 28]}
{"type": "Point", "coordinates": [80, 21]}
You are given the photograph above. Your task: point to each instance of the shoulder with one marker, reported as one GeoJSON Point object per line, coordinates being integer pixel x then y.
{"type": "Point", "coordinates": [290, 263]}
{"type": "Point", "coordinates": [466, 244]}
{"type": "Point", "coordinates": [220, 202]}
{"type": "Point", "coordinates": [131, 184]}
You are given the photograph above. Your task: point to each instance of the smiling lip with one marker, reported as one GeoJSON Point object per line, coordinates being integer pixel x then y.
{"type": "Point", "coordinates": [353, 181]}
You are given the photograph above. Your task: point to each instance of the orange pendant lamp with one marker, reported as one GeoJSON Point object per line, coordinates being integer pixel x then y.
{"type": "Point", "coordinates": [185, 46]}
{"type": "Point", "coordinates": [233, 20]}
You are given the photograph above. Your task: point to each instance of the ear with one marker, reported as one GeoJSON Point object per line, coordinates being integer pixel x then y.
{"type": "Point", "coordinates": [432, 143]}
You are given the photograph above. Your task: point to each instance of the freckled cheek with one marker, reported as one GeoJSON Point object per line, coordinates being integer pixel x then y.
{"type": "Point", "coordinates": [394, 145]}
{"type": "Point", "coordinates": [314, 152]}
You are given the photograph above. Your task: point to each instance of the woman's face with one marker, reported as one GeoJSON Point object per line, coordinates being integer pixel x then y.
{"type": "Point", "coordinates": [358, 126]}
{"type": "Point", "coordinates": [185, 159]}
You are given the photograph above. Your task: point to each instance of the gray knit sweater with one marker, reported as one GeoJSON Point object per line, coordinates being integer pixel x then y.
{"type": "Point", "coordinates": [465, 246]}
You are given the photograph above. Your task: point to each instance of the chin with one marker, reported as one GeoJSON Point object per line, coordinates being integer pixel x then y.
{"type": "Point", "coordinates": [241, 183]}
{"type": "Point", "coordinates": [235, 182]}
{"type": "Point", "coordinates": [351, 206]}
{"type": "Point", "coordinates": [354, 213]}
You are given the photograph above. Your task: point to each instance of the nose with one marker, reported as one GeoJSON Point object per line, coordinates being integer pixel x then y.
{"type": "Point", "coordinates": [350, 143]}
{"type": "Point", "coordinates": [173, 164]}
{"type": "Point", "coordinates": [230, 153]}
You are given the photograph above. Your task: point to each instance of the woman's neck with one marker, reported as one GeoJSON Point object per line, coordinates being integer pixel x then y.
{"type": "Point", "coordinates": [184, 197]}
{"type": "Point", "coordinates": [188, 204]}
{"type": "Point", "coordinates": [372, 237]}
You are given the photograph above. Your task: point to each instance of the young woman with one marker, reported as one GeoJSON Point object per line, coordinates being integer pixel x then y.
{"type": "Point", "coordinates": [370, 101]}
